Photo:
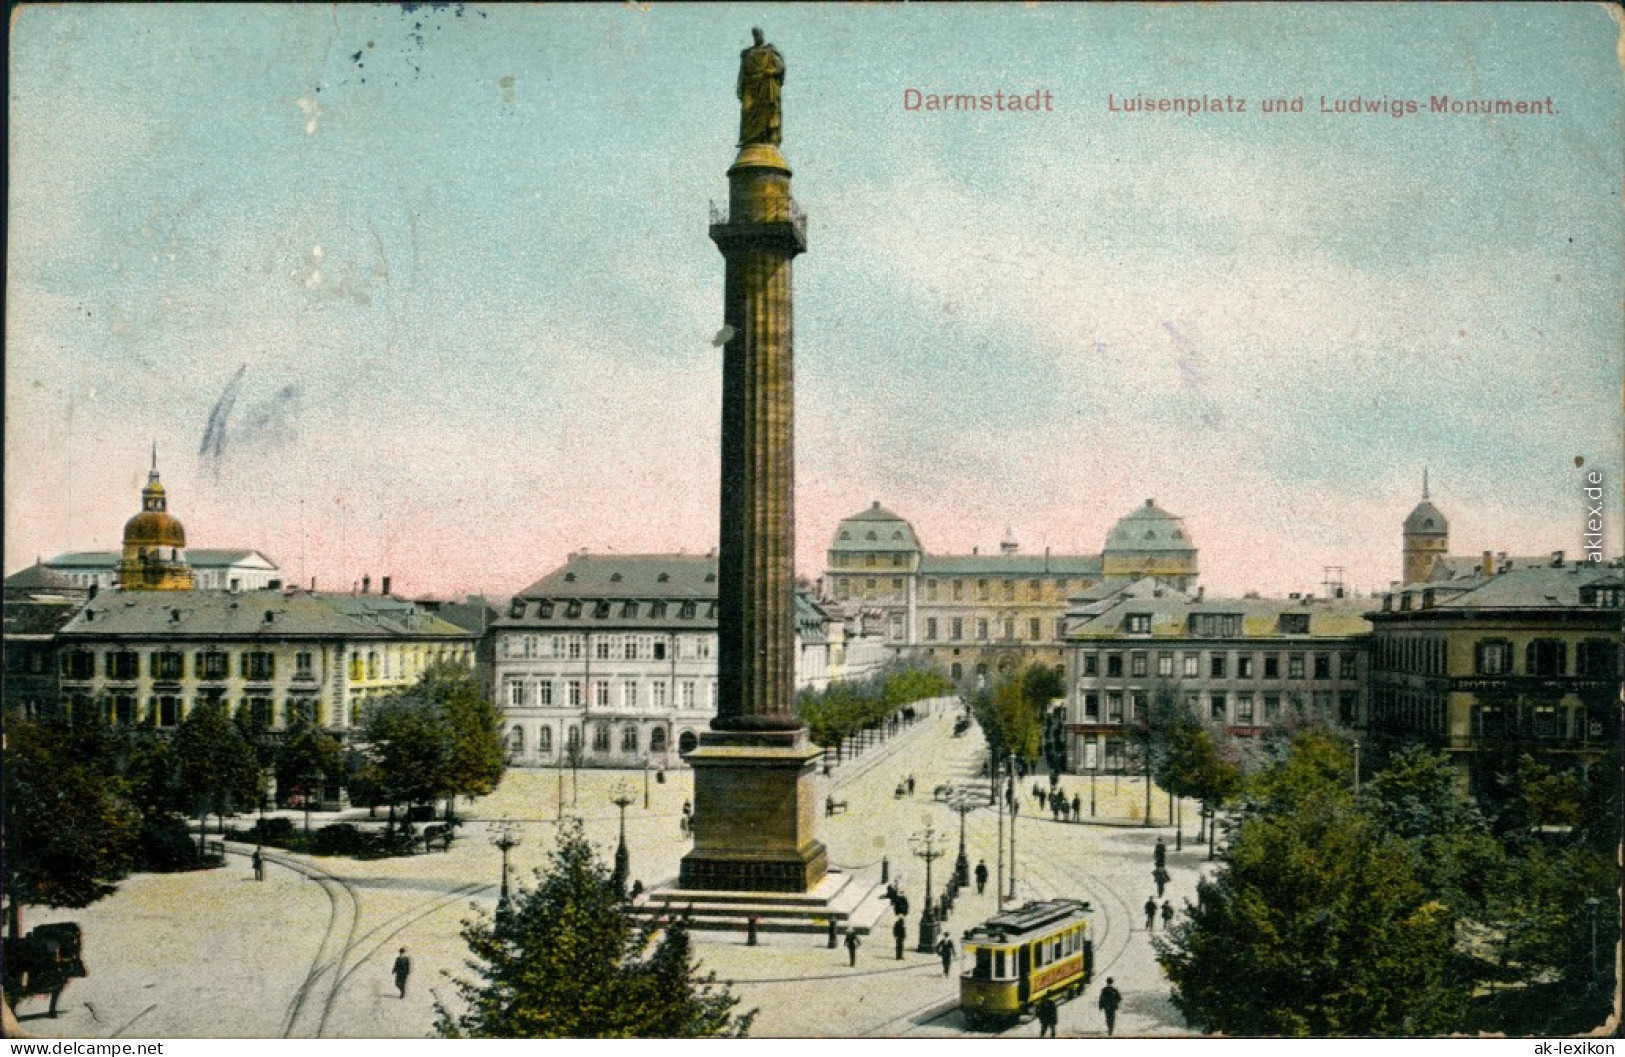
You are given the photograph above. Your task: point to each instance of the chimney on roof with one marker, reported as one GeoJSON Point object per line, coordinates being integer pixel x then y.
{"type": "Point", "coordinates": [366, 584]}
{"type": "Point", "coordinates": [270, 616]}
{"type": "Point", "coordinates": [1487, 567]}
{"type": "Point", "coordinates": [975, 550]}
{"type": "Point", "coordinates": [876, 505]}
{"type": "Point", "coordinates": [385, 589]}
{"type": "Point", "coordinates": [1200, 592]}
{"type": "Point", "coordinates": [1557, 559]}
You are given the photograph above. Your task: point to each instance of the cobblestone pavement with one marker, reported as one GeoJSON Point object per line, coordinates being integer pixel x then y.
{"type": "Point", "coordinates": [307, 952]}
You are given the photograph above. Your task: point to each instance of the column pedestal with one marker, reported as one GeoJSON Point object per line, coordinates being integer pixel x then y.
{"type": "Point", "coordinates": [755, 812]}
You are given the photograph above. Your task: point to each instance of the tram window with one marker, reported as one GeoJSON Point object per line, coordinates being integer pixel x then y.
{"type": "Point", "coordinates": [1038, 956]}
{"type": "Point", "coordinates": [998, 964]}
{"type": "Point", "coordinates": [984, 964]}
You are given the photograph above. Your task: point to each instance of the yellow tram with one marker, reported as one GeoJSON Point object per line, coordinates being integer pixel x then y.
{"type": "Point", "coordinates": [1021, 955]}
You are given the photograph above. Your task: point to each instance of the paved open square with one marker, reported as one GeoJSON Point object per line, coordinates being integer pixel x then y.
{"type": "Point", "coordinates": [308, 952]}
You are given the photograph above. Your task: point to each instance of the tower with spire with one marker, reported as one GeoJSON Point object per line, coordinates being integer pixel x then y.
{"type": "Point", "coordinates": [1427, 539]}
{"type": "Point", "coordinates": [154, 555]}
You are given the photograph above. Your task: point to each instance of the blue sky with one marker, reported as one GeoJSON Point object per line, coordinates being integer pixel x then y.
{"type": "Point", "coordinates": [458, 254]}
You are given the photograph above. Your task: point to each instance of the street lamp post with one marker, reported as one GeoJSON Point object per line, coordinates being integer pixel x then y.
{"type": "Point", "coordinates": [645, 781]}
{"type": "Point", "coordinates": [1094, 774]}
{"type": "Point", "coordinates": [963, 803]}
{"type": "Point", "coordinates": [930, 846]}
{"type": "Point", "coordinates": [621, 797]}
{"type": "Point", "coordinates": [1591, 909]}
{"type": "Point", "coordinates": [1015, 809]}
{"type": "Point", "coordinates": [505, 841]}
{"type": "Point", "coordinates": [1000, 799]}
{"type": "Point", "coordinates": [1356, 767]}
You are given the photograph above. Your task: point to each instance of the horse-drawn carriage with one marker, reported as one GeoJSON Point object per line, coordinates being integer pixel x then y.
{"type": "Point", "coordinates": [43, 962]}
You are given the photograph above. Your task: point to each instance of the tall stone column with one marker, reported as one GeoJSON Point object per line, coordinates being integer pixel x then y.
{"type": "Point", "coordinates": [754, 772]}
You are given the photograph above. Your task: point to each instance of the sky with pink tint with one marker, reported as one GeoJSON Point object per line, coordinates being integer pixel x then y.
{"type": "Point", "coordinates": [456, 257]}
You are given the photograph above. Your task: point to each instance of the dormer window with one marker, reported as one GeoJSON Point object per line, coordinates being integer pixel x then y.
{"type": "Point", "coordinates": [1139, 623]}
{"type": "Point", "coordinates": [663, 578]}
{"type": "Point", "coordinates": [570, 577]}
{"type": "Point", "coordinates": [615, 578]}
{"type": "Point", "coordinates": [657, 610]}
{"type": "Point", "coordinates": [600, 610]}
{"type": "Point", "coordinates": [629, 611]}
{"type": "Point", "coordinates": [687, 611]}
{"type": "Point", "coordinates": [710, 578]}
{"type": "Point", "coordinates": [871, 536]}
{"type": "Point", "coordinates": [516, 609]}
{"type": "Point", "coordinates": [545, 610]}
{"type": "Point", "coordinates": [1294, 623]}
{"type": "Point", "coordinates": [572, 610]}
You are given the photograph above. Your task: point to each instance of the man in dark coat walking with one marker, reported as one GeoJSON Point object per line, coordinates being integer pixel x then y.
{"type": "Point", "coordinates": [403, 969]}
{"type": "Point", "coordinates": [1167, 915]}
{"type": "Point", "coordinates": [1162, 878]}
{"type": "Point", "coordinates": [1150, 914]}
{"type": "Point", "coordinates": [259, 865]}
{"type": "Point", "coordinates": [1110, 999]}
{"type": "Point", "coordinates": [1160, 854]}
{"type": "Point", "coordinates": [899, 932]}
{"type": "Point", "coordinates": [981, 875]}
{"type": "Point", "coordinates": [1048, 1017]}
{"type": "Point", "coordinates": [852, 947]}
{"type": "Point", "coordinates": [945, 951]}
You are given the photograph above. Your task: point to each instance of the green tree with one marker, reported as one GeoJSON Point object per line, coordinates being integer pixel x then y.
{"type": "Point", "coordinates": [1320, 917]}
{"type": "Point", "coordinates": [69, 833]}
{"type": "Point", "coordinates": [566, 961]}
{"type": "Point", "coordinates": [215, 767]}
{"type": "Point", "coordinates": [475, 763]}
{"type": "Point", "coordinates": [307, 758]}
{"type": "Point", "coordinates": [437, 738]}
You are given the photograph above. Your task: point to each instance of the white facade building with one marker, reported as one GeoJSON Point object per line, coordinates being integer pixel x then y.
{"type": "Point", "coordinates": [614, 657]}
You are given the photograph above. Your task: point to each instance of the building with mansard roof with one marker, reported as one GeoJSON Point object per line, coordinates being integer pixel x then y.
{"type": "Point", "coordinates": [150, 657]}
{"type": "Point", "coordinates": [979, 614]}
{"type": "Point", "coordinates": [610, 660]}
{"type": "Point", "coordinates": [1242, 663]}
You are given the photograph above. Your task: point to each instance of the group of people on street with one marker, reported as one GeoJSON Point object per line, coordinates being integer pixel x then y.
{"type": "Point", "coordinates": [1060, 808]}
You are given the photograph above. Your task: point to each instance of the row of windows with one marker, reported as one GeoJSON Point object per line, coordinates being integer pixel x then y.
{"type": "Point", "coordinates": [630, 740]}
{"type": "Point", "coordinates": [610, 693]}
{"type": "Point", "coordinates": [1010, 629]}
{"type": "Point", "coordinates": [1132, 706]}
{"type": "Point", "coordinates": [170, 665]}
{"type": "Point", "coordinates": [1593, 658]}
{"type": "Point", "coordinates": [1493, 720]}
{"type": "Point", "coordinates": [607, 647]}
{"type": "Point", "coordinates": [255, 666]}
{"type": "Point", "coordinates": [869, 561]}
{"type": "Point", "coordinates": [168, 710]}
{"type": "Point", "coordinates": [985, 591]}
{"type": "Point", "coordinates": [604, 609]}
{"type": "Point", "coordinates": [1247, 665]}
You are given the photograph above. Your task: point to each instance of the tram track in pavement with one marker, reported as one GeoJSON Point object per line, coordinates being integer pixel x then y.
{"type": "Point", "coordinates": [330, 959]}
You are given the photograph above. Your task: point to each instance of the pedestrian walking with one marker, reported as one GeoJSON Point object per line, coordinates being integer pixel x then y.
{"type": "Point", "coordinates": [403, 969]}
{"type": "Point", "coordinates": [1110, 999]}
{"type": "Point", "coordinates": [911, 785]}
{"type": "Point", "coordinates": [981, 875]}
{"type": "Point", "coordinates": [1160, 854]}
{"type": "Point", "coordinates": [899, 933]}
{"type": "Point", "coordinates": [1077, 807]}
{"type": "Point", "coordinates": [750, 931]}
{"type": "Point", "coordinates": [945, 951]}
{"type": "Point", "coordinates": [259, 865]}
{"type": "Point", "coordinates": [1150, 914]}
{"type": "Point", "coordinates": [1167, 914]}
{"type": "Point", "coordinates": [1048, 1017]}
{"type": "Point", "coordinates": [852, 946]}
{"type": "Point", "coordinates": [1162, 878]}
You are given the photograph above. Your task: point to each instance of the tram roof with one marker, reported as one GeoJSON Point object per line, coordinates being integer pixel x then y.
{"type": "Point", "coordinates": [1027, 918]}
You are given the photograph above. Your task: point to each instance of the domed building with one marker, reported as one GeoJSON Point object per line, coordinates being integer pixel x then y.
{"type": "Point", "coordinates": [1150, 542]}
{"type": "Point", "coordinates": [154, 556]}
{"type": "Point", "coordinates": [1427, 540]}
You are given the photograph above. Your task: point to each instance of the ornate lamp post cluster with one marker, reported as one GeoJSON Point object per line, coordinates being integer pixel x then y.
{"type": "Point", "coordinates": [505, 839]}
{"type": "Point", "coordinates": [930, 846]}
